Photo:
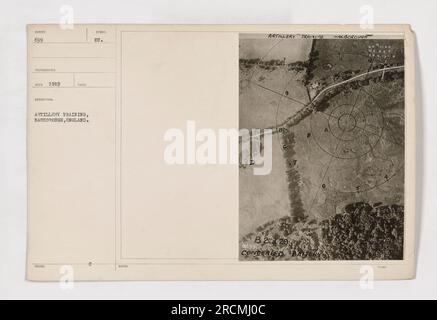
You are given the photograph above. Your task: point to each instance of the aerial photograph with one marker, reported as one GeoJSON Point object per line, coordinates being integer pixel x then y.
{"type": "Point", "coordinates": [336, 108]}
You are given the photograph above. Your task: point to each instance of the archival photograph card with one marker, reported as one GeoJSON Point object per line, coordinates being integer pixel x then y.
{"type": "Point", "coordinates": [221, 152]}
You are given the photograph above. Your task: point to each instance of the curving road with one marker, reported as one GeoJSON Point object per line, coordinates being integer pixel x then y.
{"type": "Point", "coordinates": [308, 109]}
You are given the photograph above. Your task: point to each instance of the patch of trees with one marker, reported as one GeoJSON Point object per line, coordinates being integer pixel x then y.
{"type": "Point", "coordinates": [362, 232]}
